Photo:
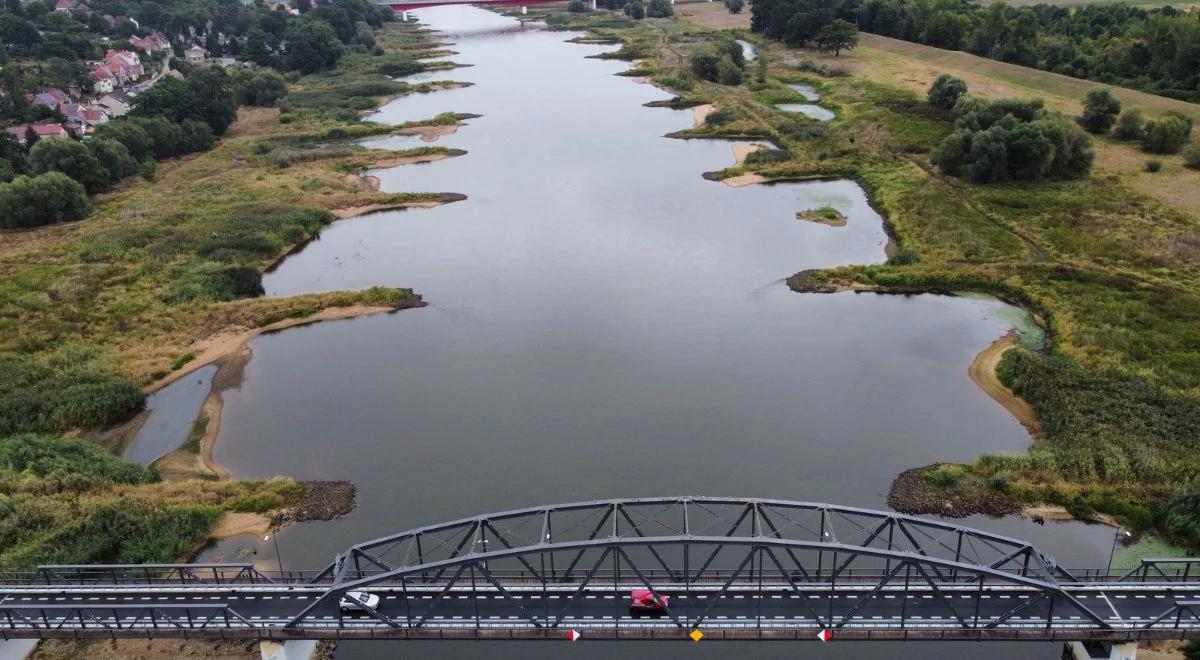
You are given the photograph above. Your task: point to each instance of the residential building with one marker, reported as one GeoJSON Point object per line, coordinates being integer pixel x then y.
{"type": "Point", "coordinates": [195, 55]}
{"type": "Point", "coordinates": [116, 104]}
{"type": "Point", "coordinates": [42, 131]}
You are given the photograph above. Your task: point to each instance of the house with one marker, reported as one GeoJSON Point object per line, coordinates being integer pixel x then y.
{"type": "Point", "coordinates": [51, 97]}
{"type": "Point", "coordinates": [65, 5]}
{"type": "Point", "coordinates": [80, 115]}
{"type": "Point", "coordinates": [103, 80]}
{"type": "Point", "coordinates": [125, 64]}
{"type": "Point", "coordinates": [116, 104]}
{"type": "Point", "coordinates": [151, 43]}
{"type": "Point", "coordinates": [195, 55]}
{"type": "Point", "coordinates": [42, 131]}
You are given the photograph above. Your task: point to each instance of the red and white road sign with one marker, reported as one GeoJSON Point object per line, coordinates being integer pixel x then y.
{"type": "Point", "coordinates": [825, 635]}
{"type": "Point", "coordinates": [573, 635]}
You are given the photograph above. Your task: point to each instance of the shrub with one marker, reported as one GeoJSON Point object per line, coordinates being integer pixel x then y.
{"type": "Point", "coordinates": [258, 87]}
{"type": "Point", "coordinates": [41, 200]}
{"type": "Point", "coordinates": [660, 9]}
{"type": "Point", "coordinates": [1129, 125]}
{"type": "Point", "coordinates": [945, 91]}
{"type": "Point", "coordinates": [635, 10]}
{"type": "Point", "coordinates": [1191, 155]}
{"type": "Point", "coordinates": [114, 158]}
{"type": "Point", "coordinates": [258, 503]}
{"type": "Point", "coordinates": [729, 73]}
{"type": "Point", "coordinates": [1153, 165]}
{"type": "Point", "coordinates": [704, 64]}
{"type": "Point", "coordinates": [212, 281]}
{"type": "Point", "coordinates": [43, 455]}
{"type": "Point", "coordinates": [1181, 515]}
{"type": "Point", "coordinates": [70, 157]}
{"type": "Point", "coordinates": [719, 117]}
{"type": "Point", "coordinates": [61, 392]}
{"type": "Point", "coordinates": [763, 156]}
{"type": "Point", "coordinates": [397, 65]}
{"type": "Point", "coordinates": [1166, 135]}
{"type": "Point", "coordinates": [1099, 111]}
{"type": "Point", "coordinates": [135, 139]}
{"type": "Point", "coordinates": [735, 6]}
{"type": "Point", "coordinates": [944, 476]}
{"type": "Point", "coordinates": [577, 7]}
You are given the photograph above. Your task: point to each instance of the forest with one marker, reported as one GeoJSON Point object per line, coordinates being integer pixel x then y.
{"type": "Point", "coordinates": [1155, 50]}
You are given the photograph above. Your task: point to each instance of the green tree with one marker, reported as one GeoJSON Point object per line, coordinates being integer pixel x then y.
{"type": "Point", "coordinates": [945, 91]}
{"type": "Point", "coordinates": [837, 36]}
{"type": "Point", "coordinates": [260, 88]}
{"type": "Point", "coordinates": [214, 93]}
{"type": "Point", "coordinates": [635, 9]}
{"type": "Point", "coordinates": [1191, 155]}
{"type": "Point", "coordinates": [259, 47]}
{"type": "Point", "coordinates": [136, 141]}
{"type": "Point", "coordinates": [165, 135]}
{"type": "Point", "coordinates": [171, 98]}
{"type": "Point", "coordinates": [660, 9]}
{"type": "Point", "coordinates": [1099, 111]}
{"type": "Point", "coordinates": [1166, 135]}
{"type": "Point", "coordinates": [704, 64]}
{"type": "Point", "coordinates": [735, 6]}
{"type": "Point", "coordinates": [32, 201]}
{"type": "Point", "coordinates": [1129, 125]}
{"type": "Point", "coordinates": [113, 157]}
{"type": "Point", "coordinates": [312, 46]}
{"type": "Point", "coordinates": [71, 158]}
{"type": "Point", "coordinates": [577, 7]}
{"type": "Point", "coordinates": [729, 73]}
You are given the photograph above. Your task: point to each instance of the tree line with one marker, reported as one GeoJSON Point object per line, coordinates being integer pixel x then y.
{"type": "Point", "coordinates": [1155, 50]}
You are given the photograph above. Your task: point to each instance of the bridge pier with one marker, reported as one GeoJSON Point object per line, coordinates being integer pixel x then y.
{"type": "Point", "coordinates": [524, 10]}
{"type": "Point", "coordinates": [1101, 651]}
{"type": "Point", "coordinates": [296, 649]}
{"type": "Point", "coordinates": [16, 649]}
{"type": "Point", "coordinates": [404, 15]}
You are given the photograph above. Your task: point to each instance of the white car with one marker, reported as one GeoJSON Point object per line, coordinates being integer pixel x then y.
{"type": "Point", "coordinates": [354, 601]}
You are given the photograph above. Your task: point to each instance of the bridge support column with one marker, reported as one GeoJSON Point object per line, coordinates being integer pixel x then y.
{"type": "Point", "coordinates": [296, 649]}
{"type": "Point", "coordinates": [16, 649]}
{"type": "Point", "coordinates": [1101, 650]}
{"type": "Point", "coordinates": [524, 10]}
{"type": "Point", "coordinates": [404, 15]}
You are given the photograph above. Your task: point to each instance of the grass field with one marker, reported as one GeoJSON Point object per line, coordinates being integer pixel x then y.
{"type": "Point", "coordinates": [893, 62]}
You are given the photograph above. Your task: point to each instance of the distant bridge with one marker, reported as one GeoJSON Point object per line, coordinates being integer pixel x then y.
{"type": "Point", "coordinates": [733, 568]}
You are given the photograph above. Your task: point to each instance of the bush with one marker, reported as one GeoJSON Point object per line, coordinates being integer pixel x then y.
{"type": "Point", "coordinates": [71, 158]}
{"type": "Point", "coordinates": [719, 117]}
{"type": "Point", "coordinates": [60, 393]}
{"type": "Point", "coordinates": [1129, 125]}
{"type": "Point", "coordinates": [398, 65]}
{"type": "Point", "coordinates": [1181, 515]}
{"type": "Point", "coordinates": [704, 64]}
{"type": "Point", "coordinates": [945, 91]}
{"type": "Point", "coordinates": [635, 10]}
{"type": "Point", "coordinates": [764, 156]}
{"type": "Point", "coordinates": [1166, 135]}
{"type": "Point", "coordinates": [312, 46]}
{"type": "Point", "coordinates": [945, 476]}
{"type": "Point", "coordinates": [258, 88]}
{"type": "Point", "coordinates": [114, 158]}
{"type": "Point", "coordinates": [577, 7]}
{"type": "Point", "coordinates": [1153, 165]}
{"type": "Point", "coordinates": [135, 139]}
{"type": "Point", "coordinates": [44, 455]}
{"type": "Point", "coordinates": [212, 281]}
{"type": "Point", "coordinates": [735, 6]}
{"type": "Point", "coordinates": [1099, 111]}
{"type": "Point", "coordinates": [729, 73]}
{"type": "Point", "coordinates": [660, 9]}
{"type": "Point", "coordinates": [41, 200]}
{"type": "Point", "coordinates": [1191, 155]}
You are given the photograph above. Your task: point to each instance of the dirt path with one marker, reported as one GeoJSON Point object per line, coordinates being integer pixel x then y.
{"type": "Point", "coordinates": [983, 372]}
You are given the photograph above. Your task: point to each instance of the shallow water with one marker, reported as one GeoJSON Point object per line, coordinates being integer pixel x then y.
{"type": "Point", "coordinates": [807, 91]}
{"type": "Point", "coordinates": [171, 413]}
{"type": "Point", "coordinates": [809, 110]}
{"type": "Point", "coordinates": [749, 51]}
{"type": "Point", "coordinates": [603, 322]}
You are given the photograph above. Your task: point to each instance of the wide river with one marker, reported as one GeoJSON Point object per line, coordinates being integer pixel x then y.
{"type": "Point", "coordinates": [604, 322]}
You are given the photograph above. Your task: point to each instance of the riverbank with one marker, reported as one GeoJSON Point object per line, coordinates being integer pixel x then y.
{"type": "Point", "coordinates": [1100, 261]}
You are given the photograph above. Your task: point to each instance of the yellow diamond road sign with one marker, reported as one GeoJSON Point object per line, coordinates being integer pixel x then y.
{"type": "Point", "coordinates": [696, 635]}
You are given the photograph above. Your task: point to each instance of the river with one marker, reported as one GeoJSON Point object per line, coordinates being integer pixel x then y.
{"type": "Point", "coordinates": [604, 322]}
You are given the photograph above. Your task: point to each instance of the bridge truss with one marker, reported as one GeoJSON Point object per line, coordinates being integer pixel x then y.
{"type": "Point", "coordinates": [732, 568]}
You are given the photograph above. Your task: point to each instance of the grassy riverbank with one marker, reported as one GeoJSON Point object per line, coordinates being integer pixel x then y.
{"type": "Point", "coordinates": [1110, 271]}
{"type": "Point", "coordinates": [94, 313]}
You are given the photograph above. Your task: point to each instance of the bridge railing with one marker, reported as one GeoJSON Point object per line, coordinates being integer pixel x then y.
{"type": "Point", "coordinates": [1147, 571]}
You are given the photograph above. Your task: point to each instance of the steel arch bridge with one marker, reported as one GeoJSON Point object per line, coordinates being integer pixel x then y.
{"type": "Point", "coordinates": [732, 568]}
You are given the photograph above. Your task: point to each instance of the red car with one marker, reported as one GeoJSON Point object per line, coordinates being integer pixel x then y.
{"type": "Point", "coordinates": [642, 602]}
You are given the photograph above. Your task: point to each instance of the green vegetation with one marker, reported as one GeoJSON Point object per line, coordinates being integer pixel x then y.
{"type": "Point", "coordinates": [30, 201]}
{"type": "Point", "coordinates": [1012, 140]}
{"type": "Point", "coordinates": [1099, 111]}
{"type": "Point", "coordinates": [946, 91]}
{"type": "Point", "coordinates": [69, 501]}
{"type": "Point", "coordinates": [837, 35]}
{"type": "Point", "coordinates": [724, 63]}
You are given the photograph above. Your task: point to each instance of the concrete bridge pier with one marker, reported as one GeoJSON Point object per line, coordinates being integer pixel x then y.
{"type": "Point", "coordinates": [524, 10]}
{"type": "Point", "coordinates": [1101, 651]}
{"type": "Point", "coordinates": [404, 15]}
{"type": "Point", "coordinates": [16, 649]}
{"type": "Point", "coordinates": [296, 649]}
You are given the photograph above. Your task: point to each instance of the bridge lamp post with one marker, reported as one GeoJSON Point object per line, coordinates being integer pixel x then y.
{"type": "Point", "coordinates": [1116, 537]}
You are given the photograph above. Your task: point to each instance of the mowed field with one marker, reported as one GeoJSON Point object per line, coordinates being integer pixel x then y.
{"type": "Point", "coordinates": [913, 66]}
